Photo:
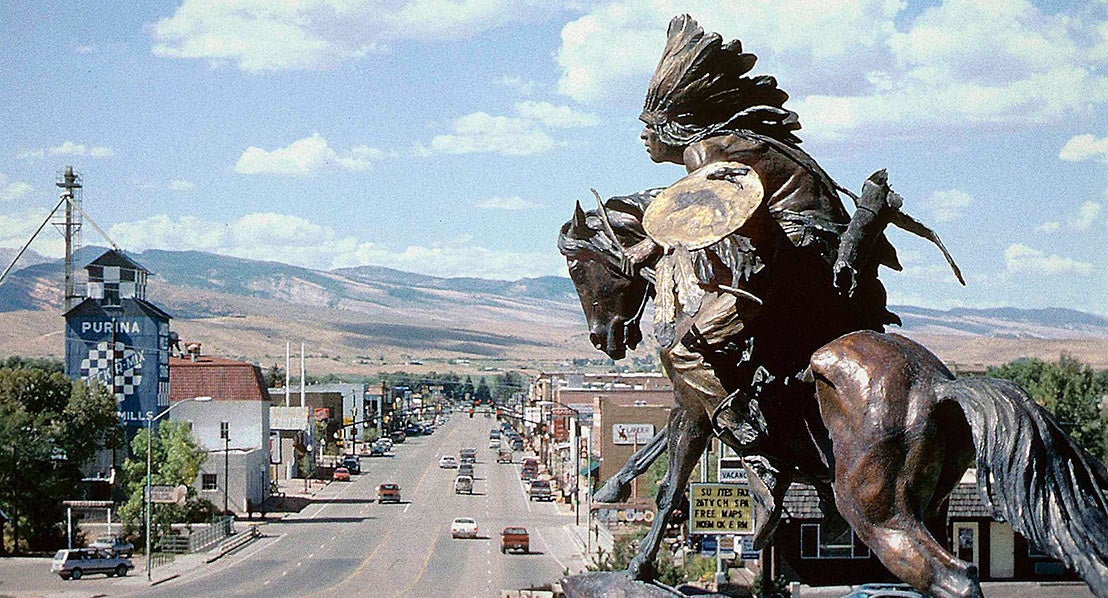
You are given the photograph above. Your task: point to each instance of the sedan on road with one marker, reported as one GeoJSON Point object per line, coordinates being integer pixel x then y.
{"type": "Point", "coordinates": [448, 462]}
{"type": "Point", "coordinates": [114, 543]}
{"type": "Point", "coordinates": [388, 493]}
{"type": "Point", "coordinates": [463, 527]}
{"type": "Point", "coordinates": [341, 474]}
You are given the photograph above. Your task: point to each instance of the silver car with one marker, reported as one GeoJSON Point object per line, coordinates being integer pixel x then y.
{"type": "Point", "coordinates": [78, 562]}
{"type": "Point", "coordinates": [115, 544]}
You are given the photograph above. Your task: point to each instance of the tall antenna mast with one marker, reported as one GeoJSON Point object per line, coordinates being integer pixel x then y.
{"type": "Point", "coordinates": [72, 231]}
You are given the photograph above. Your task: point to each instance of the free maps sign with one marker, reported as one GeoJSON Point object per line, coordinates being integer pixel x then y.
{"type": "Point", "coordinates": [720, 509]}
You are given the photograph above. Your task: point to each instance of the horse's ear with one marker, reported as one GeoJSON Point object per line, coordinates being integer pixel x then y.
{"type": "Point", "coordinates": [577, 225]}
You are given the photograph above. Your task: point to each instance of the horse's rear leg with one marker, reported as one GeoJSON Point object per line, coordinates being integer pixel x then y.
{"type": "Point", "coordinates": [688, 435]}
{"type": "Point", "coordinates": [914, 556]}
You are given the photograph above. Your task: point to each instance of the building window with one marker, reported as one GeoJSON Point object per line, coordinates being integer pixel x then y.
{"type": "Point", "coordinates": [224, 430]}
{"type": "Point", "coordinates": [814, 546]}
{"type": "Point", "coordinates": [209, 481]}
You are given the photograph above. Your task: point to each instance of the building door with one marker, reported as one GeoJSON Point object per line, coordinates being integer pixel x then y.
{"type": "Point", "coordinates": [1002, 551]}
{"type": "Point", "coordinates": [965, 542]}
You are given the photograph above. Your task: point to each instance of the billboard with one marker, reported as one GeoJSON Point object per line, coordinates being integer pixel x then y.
{"type": "Point", "coordinates": [126, 351]}
{"type": "Point", "coordinates": [632, 433]}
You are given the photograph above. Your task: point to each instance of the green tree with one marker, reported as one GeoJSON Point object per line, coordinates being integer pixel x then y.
{"type": "Point", "coordinates": [483, 393]}
{"type": "Point", "coordinates": [1070, 390]}
{"type": "Point", "coordinates": [175, 460]}
{"type": "Point", "coordinates": [49, 427]}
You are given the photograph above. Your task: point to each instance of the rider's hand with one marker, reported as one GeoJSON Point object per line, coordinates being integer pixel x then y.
{"type": "Point", "coordinates": [731, 174]}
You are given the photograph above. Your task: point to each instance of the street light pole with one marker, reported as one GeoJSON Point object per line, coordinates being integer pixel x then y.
{"type": "Point", "coordinates": [150, 419]}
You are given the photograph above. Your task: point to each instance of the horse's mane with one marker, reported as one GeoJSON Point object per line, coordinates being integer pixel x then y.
{"type": "Point", "coordinates": [586, 232]}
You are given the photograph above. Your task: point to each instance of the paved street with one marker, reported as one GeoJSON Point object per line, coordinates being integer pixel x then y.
{"type": "Point", "coordinates": [346, 544]}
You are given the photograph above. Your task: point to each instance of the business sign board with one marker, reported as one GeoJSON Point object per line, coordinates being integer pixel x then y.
{"type": "Point", "coordinates": [632, 433]}
{"type": "Point", "coordinates": [731, 471]}
{"type": "Point", "coordinates": [168, 494]}
{"type": "Point", "coordinates": [720, 509]}
{"type": "Point", "coordinates": [126, 352]}
{"type": "Point", "coordinates": [532, 416]}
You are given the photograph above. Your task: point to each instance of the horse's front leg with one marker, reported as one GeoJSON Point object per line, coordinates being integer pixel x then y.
{"type": "Point", "coordinates": [618, 487]}
{"type": "Point", "coordinates": [688, 435]}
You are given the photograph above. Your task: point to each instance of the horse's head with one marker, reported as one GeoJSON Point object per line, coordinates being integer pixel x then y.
{"type": "Point", "coordinates": [612, 300]}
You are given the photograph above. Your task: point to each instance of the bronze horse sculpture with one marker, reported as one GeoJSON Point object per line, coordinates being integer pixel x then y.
{"type": "Point", "coordinates": [900, 432]}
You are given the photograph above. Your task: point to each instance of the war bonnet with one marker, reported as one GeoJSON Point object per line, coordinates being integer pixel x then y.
{"type": "Point", "coordinates": [698, 90]}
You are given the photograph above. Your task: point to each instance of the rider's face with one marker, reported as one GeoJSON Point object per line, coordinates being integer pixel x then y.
{"type": "Point", "coordinates": [657, 149]}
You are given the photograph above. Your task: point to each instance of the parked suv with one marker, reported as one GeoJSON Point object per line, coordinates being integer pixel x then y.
{"type": "Point", "coordinates": [75, 563]}
{"type": "Point", "coordinates": [540, 490]}
{"type": "Point", "coordinates": [115, 544]}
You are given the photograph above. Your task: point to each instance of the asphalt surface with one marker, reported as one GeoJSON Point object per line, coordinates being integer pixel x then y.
{"type": "Point", "coordinates": [346, 544]}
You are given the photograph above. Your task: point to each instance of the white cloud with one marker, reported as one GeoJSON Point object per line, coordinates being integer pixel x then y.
{"type": "Point", "coordinates": [480, 132]}
{"type": "Point", "coordinates": [301, 242]}
{"type": "Point", "coordinates": [1084, 147]}
{"type": "Point", "coordinates": [10, 190]}
{"type": "Point", "coordinates": [1020, 258]}
{"type": "Point", "coordinates": [556, 116]}
{"type": "Point", "coordinates": [514, 203]}
{"type": "Point", "coordinates": [262, 35]}
{"type": "Point", "coordinates": [84, 49]}
{"type": "Point", "coordinates": [863, 67]}
{"type": "Point", "coordinates": [16, 229]}
{"type": "Point", "coordinates": [524, 88]}
{"type": "Point", "coordinates": [68, 148]}
{"type": "Point", "coordinates": [1086, 216]}
{"type": "Point", "coordinates": [948, 205]}
{"type": "Point", "coordinates": [304, 157]}
{"type": "Point", "coordinates": [1049, 227]}
{"type": "Point", "coordinates": [180, 185]}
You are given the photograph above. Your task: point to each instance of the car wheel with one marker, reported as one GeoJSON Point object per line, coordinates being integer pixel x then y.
{"type": "Point", "coordinates": [121, 570]}
{"type": "Point", "coordinates": [503, 551]}
{"type": "Point", "coordinates": [75, 574]}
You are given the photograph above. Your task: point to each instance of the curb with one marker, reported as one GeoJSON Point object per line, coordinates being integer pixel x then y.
{"type": "Point", "coordinates": [161, 581]}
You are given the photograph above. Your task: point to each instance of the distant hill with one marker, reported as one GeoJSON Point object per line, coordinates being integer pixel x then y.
{"type": "Point", "coordinates": [380, 318]}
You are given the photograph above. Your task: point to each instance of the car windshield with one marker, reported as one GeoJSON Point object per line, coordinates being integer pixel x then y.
{"type": "Point", "coordinates": [515, 531]}
{"type": "Point", "coordinates": [59, 555]}
{"type": "Point", "coordinates": [540, 484]}
{"type": "Point", "coordinates": [461, 521]}
{"type": "Point", "coordinates": [105, 540]}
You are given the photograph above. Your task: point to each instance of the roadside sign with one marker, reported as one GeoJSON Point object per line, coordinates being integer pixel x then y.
{"type": "Point", "coordinates": [727, 547]}
{"type": "Point", "coordinates": [632, 433]}
{"type": "Point", "coordinates": [731, 470]}
{"type": "Point", "coordinates": [720, 509]}
{"type": "Point", "coordinates": [168, 494]}
{"type": "Point", "coordinates": [708, 545]}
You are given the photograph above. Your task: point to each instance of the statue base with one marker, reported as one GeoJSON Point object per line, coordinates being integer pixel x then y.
{"type": "Point", "coordinates": [618, 584]}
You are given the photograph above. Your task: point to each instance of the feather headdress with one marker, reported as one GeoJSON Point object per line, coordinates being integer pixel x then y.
{"type": "Point", "coordinates": [698, 90]}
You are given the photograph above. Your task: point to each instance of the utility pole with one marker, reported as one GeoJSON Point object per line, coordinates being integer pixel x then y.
{"type": "Point", "coordinates": [71, 232]}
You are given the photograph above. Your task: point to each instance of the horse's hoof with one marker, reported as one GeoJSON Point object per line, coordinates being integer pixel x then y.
{"type": "Point", "coordinates": [612, 492]}
{"type": "Point", "coordinates": [641, 570]}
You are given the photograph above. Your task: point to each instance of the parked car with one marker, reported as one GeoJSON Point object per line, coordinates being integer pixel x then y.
{"type": "Point", "coordinates": [398, 437]}
{"type": "Point", "coordinates": [413, 430]}
{"type": "Point", "coordinates": [115, 544]}
{"type": "Point", "coordinates": [388, 493]}
{"type": "Point", "coordinates": [517, 443]}
{"type": "Point", "coordinates": [448, 462]}
{"type": "Point", "coordinates": [78, 562]}
{"type": "Point", "coordinates": [463, 484]}
{"type": "Point", "coordinates": [884, 590]}
{"type": "Point", "coordinates": [463, 527]}
{"type": "Point", "coordinates": [540, 490]}
{"type": "Point", "coordinates": [504, 455]}
{"type": "Point", "coordinates": [341, 474]}
{"type": "Point", "coordinates": [352, 463]}
{"type": "Point", "coordinates": [515, 538]}
{"type": "Point", "coordinates": [386, 442]}
{"type": "Point", "coordinates": [494, 443]}
{"type": "Point", "coordinates": [378, 449]}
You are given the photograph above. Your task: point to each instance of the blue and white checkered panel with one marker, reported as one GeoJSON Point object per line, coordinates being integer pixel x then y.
{"type": "Point", "coordinates": [98, 366]}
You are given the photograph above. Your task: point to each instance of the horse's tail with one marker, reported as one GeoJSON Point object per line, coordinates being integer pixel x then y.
{"type": "Point", "coordinates": [1030, 474]}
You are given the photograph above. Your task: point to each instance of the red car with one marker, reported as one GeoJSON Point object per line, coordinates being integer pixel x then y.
{"type": "Point", "coordinates": [342, 474]}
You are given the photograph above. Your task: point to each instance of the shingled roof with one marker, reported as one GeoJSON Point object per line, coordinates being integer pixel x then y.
{"type": "Point", "coordinates": [217, 377]}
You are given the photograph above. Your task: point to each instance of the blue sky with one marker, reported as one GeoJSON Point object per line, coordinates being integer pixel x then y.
{"type": "Point", "coordinates": [451, 137]}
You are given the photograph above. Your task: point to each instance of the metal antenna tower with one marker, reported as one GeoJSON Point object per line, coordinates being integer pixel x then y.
{"type": "Point", "coordinates": [71, 229]}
